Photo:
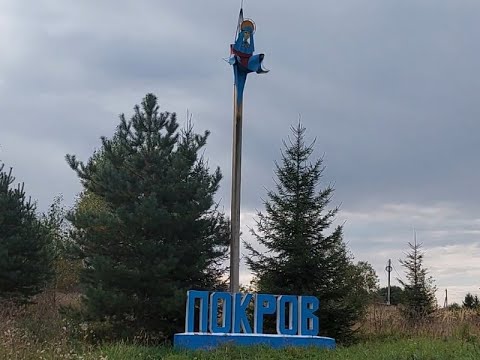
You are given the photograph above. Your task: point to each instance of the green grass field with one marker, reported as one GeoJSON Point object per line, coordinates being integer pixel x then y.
{"type": "Point", "coordinates": [398, 350]}
{"type": "Point", "coordinates": [419, 349]}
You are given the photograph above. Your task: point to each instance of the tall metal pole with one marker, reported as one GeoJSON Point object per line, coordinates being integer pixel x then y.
{"type": "Point", "coordinates": [389, 270]}
{"type": "Point", "coordinates": [236, 190]}
{"type": "Point", "coordinates": [244, 62]}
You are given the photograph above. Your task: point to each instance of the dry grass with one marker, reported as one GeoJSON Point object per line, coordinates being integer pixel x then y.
{"type": "Point", "coordinates": [386, 321]}
{"type": "Point", "coordinates": [38, 331]}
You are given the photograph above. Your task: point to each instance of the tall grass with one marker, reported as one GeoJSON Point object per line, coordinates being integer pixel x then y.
{"type": "Point", "coordinates": [35, 330]}
{"type": "Point", "coordinates": [386, 321]}
{"type": "Point", "coordinates": [38, 331]}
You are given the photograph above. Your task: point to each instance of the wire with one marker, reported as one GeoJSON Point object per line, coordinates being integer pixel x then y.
{"type": "Point", "coordinates": [399, 276]}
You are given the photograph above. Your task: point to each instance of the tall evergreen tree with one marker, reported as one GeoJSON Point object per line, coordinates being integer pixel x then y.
{"type": "Point", "coordinates": [147, 226]}
{"type": "Point", "coordinates": [25, 258]}
{"type": "Point", "coordinates": [419, 289]}
{"type": "Point", "coordinates": [301, 258]}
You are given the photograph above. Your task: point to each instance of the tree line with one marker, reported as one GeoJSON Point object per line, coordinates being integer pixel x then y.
{"type": "Point", "coordinates": [146, 228]}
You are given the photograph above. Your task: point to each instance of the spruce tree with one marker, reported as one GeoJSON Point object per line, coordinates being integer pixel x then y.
{"type": "Point", "coordinates": [25, 258]}
{"type": "Point", "coordinates": [147, 226]}
{"type": "Point", "coordinates": [301, 258]}
{"type": "Point", "coordinates": [419, 289]}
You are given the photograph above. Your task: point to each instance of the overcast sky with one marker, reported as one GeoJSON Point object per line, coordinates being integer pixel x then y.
{"type": "Point", "coordinates": [390, 90]}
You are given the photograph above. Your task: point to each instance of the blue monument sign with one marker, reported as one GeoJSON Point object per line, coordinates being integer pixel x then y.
{"type": "Point", "coordinates": [218, 318]}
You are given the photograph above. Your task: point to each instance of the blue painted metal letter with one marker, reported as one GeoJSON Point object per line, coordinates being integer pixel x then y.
{"type": "Point", "coordinates": [292, 328]}
{"type": "Point", "coordinates": [308, 320]}
{"type": "Point", "coordinates": [226, 312]}
{"type": "Point", "coordinates": [192, 295]}
{"type": "Point", "coordinates": [240, 319]}
{"type": "Point", "coordinates": [264, 304]}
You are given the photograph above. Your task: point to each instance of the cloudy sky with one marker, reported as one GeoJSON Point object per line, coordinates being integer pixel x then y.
{"type": "Point", "coordinates": [390, 90]}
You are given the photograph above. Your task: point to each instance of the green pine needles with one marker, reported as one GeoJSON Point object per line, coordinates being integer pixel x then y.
{"type": "Point", "coordinates": [146, 225]}
{"type": "Point", "coordinates": [301, 256]}
{"type": "Point", "coordinates": [25, 254]}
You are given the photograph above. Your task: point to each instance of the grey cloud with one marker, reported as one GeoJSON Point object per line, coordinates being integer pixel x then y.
{"type": "Point", "coordinates": [389, 90]}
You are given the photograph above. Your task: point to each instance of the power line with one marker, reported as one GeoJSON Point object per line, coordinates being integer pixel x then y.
{"type": "Point", "coordinates": [399, 276]}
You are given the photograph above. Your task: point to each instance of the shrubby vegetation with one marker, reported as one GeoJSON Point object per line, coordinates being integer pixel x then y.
{"type": "Point", "coordinates": [66, 269]}
{"type": "Point", "coordinates": [471, 301]}
{"type": "Point", "coordinates": [397, 295]}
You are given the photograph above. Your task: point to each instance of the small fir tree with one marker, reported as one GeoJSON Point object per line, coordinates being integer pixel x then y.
{"type": "Point", "coordinates": [25, 257]}
{"type": "Point", "coordinates": [301, 258]}
{"type": "Point", "coordinates": [419, 289]}
{"type": "Point", "coordinates": [146, 225]}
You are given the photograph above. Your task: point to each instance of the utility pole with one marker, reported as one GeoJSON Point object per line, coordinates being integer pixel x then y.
{"type": "Point", "coordinates": [244, 62]}
{"type": "Point", "coordinates": [389, 270]}
{"type": "Point", "coordinates": [445, 304]}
